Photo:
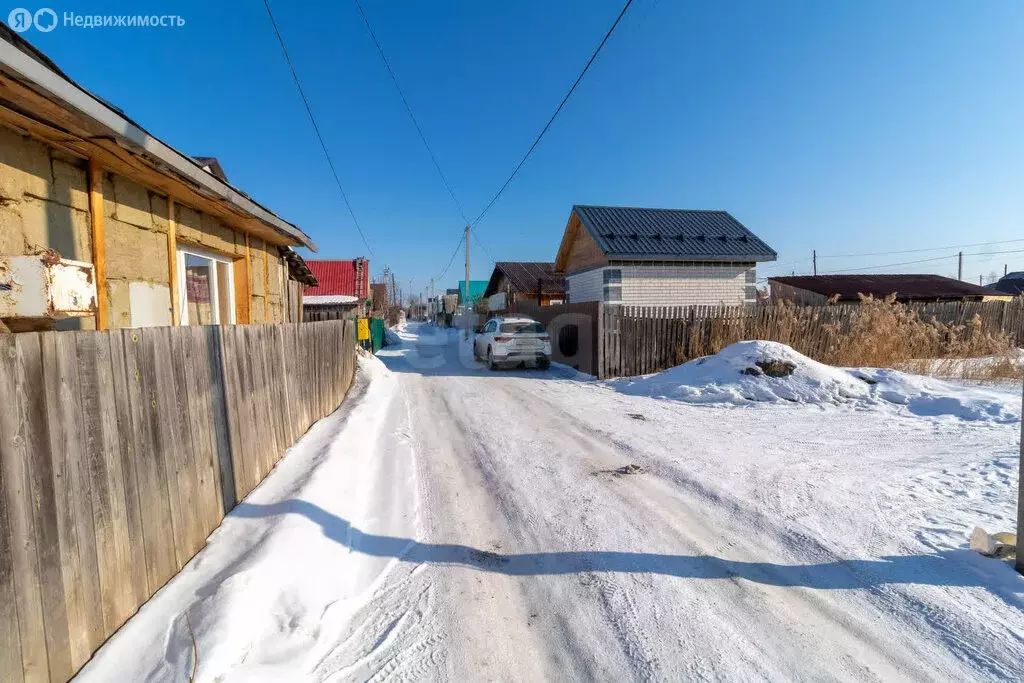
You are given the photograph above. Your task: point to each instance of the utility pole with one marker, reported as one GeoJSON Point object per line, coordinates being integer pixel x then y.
{"type": "Point", "coordinates": [814, 259]}
{"type": "Point", "coordinates": [960, 265]}
{"type": "Point", "coordinates": [466, 297]}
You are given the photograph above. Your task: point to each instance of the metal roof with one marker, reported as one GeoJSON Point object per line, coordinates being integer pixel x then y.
{"type": "Point", "coordinates": [336, 277]}
{"type": "Point", "coordinates": [524, 276]}
{"type": "Point", "coordinates": [905, 287]}
{"type": "Point", "coordinates": [676, 234]}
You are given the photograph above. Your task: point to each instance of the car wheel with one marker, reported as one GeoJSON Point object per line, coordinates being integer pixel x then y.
{"type": "Point", "coordinates": [490, 360]}
{"type": "Point", "coordinates": [476, 356]}
{"type": "Point", "coordinates": [543, 362]}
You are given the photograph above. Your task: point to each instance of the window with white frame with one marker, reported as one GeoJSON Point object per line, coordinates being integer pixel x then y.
{"type": "Point", "coordinates": [206, 287]}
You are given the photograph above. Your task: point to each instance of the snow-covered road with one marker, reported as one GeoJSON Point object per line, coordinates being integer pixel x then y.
{"type": "Point", "coordinates": [457, 524]}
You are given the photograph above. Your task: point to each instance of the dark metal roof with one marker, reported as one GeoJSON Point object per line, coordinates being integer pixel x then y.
{"type": "Point", "coordinates": [905, 287]}
{"type": "Point", "coordinates": [1011, 283]}
{"type": "Point", "coordinates": [676, 234]}
{"type": "Point", "coordinates": [524, 276]}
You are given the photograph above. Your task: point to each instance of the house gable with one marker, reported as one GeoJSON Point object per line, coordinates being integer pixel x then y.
{"type": "Point", "coordinates": [578, 251]}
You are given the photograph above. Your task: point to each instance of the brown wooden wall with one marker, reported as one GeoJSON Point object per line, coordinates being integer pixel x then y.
{"type": "Point", "coordinates": [563, 323]}
{"type": "Point", "coordinates": [121, 451]}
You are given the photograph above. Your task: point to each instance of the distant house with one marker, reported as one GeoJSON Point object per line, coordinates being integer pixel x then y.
{"type": "Point", "coordinates": [818, 289]}
{"type": "Point", "coordinates": [1011, 284]}
{"type": "Point", "coordinates": [659, 257]}
{"type": "Point", "coordinates": [513, 281]}
{"type": "Point", "coordinates": [343, 289]}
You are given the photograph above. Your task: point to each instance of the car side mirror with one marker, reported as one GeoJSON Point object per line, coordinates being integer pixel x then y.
{"type": "Point", "coordinates": [478, 329]}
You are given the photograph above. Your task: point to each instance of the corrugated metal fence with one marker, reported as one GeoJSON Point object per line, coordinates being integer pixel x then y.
{"type": "Point", "coordinates": [120, 452]}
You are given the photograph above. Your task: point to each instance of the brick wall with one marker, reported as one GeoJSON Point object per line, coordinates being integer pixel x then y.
{"type": "Point", "coordinates": [681, 285]}
{"type": "Point", "coordinates": [587, 286]}
{"type": "Point", "coordinates": [666, 284]}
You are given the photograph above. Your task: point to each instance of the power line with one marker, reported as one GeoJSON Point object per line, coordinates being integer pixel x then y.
{"type": "Point", "coordinates": [480, 244]}
{"type": "Point", "coordinates": [450, 260]}
{"type": "Point", "coordinates": [553, 116]}
{"type": "Point", "coordinates": [312, 119]}
{"type": "Point", "coordinates": [408, 109]}
{"type": "Point", "coordinates": [929, 260]}
{"type": "Point", "coordinates": [916, 251]}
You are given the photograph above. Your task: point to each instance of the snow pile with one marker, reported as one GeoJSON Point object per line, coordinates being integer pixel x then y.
{"type": "Point", "coordinates": [764, 371]}
{"type": "Point", "coordinates": [930, 397]}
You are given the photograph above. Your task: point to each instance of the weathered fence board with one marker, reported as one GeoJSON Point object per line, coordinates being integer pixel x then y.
{"type": "Point", "coordinates": [121, 451]}
{"type": "Point", "coordinates": [636, 340]}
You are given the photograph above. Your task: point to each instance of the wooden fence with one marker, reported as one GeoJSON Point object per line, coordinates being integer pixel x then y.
{"type": "Point", "coordinates": [638, 340]}
{"type": "Point", "coordinates": [121, 451]}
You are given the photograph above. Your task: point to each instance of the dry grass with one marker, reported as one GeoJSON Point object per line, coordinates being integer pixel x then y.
{"type": "Point", "coordinates": [875, 333]}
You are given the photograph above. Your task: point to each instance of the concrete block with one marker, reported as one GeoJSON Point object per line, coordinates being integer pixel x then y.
{"type": "Point", "coordinates": [71, 184]}
{"type": "Point", "coordinates": [12, 237]}
{"type": "Point", "coordinates": [257, 309]}
{"type": "Point", "coordinates": [24, 166]}
{"type": "Point", "coordinates": [49, 225]}
{"type": "Point", "coordinates": [136, 254]}
{"type": "Point", "coordinates": [258, 283]}
{"type": "Point", "coordinates": [274, 288]}
{"type": "Point", "coordinates": [132, 203]}
{"type": "Point", "coordinates": [158, 211]}
{"type": "Point", "coordinates": [190, 225]}
{"type": "Point", "coordinates": [109, 205]}
{"type": "Point", "coordinates": [119, 310]}
{"type": "Point", "coordinates": [216, 236]}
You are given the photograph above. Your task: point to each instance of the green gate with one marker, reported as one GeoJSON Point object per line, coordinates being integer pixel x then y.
{"type": "Point", "coordinates": [376, 334]}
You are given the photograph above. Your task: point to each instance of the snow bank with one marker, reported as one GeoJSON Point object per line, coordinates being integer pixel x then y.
{"type": "Point", "coordinates": [764, 371]}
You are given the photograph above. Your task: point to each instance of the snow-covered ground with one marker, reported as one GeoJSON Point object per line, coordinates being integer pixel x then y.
{"type": "Point", "coordinates": [452, 523]}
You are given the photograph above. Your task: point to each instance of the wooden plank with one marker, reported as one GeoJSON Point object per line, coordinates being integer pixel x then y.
{"type": "Point", "coordinates": [243, 302]}
{"type": "Point", "coordinates": [154, 502]}
{"type": "Point", "coordinates": [175, 442]}
{"type": "Point", "coordinates": [10, 634]}
{"type": "Point", "coordinates": [266, 285]}
{"type": "Point", "coordinates": [99, 250]}
{"type": "Point", "coordinates": [188, 417]}
{"type": "Point", "coordinates": [20, 519]}
{"type": "Point", "coordinates": [99, 429]}
{"type": "Point", "coordinates": [220, 417]}
{"type": "Point", "coordinates": [172, 261]}
{"type": "Point", "coordinates": [45, 502]}
{"type": "Point", "coordinates": [139, 580]}
{"type": "Point", "coordinates": [248, 279]}
{"type": "Point", "coordinates": [236, 408]}
{"type": "Point", "coordinates": [67, 429]}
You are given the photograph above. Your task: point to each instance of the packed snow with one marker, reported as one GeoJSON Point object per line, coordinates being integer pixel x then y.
{"type": "Point", "coordinates": [452, 523]}
{"type": "Point", "coordinates": [737, 375]}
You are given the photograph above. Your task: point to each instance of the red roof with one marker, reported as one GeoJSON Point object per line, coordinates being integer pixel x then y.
{"type": "Point", "coordinates": [339, 277]}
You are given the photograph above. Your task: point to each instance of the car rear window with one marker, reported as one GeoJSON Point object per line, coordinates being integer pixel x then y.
{"type": "Point", "coordinates": [518, 328]}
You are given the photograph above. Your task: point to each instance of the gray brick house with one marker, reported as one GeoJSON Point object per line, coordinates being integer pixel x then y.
{"type": "Point", "coordinates": [659, 257]}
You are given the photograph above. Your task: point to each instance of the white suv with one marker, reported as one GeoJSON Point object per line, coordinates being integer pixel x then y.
{"type": "Point", "coordinates": [513, 341]}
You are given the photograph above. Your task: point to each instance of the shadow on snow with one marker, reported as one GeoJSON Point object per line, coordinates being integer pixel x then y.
{"type": "Point", "coordinates": [942, 569]}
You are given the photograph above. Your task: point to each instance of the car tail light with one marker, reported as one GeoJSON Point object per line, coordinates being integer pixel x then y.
{"type": "Point", "coordinates": [502, 339]}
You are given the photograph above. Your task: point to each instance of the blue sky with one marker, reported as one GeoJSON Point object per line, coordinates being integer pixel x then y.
{"type": "Point", "coordinates": [847, 126]}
